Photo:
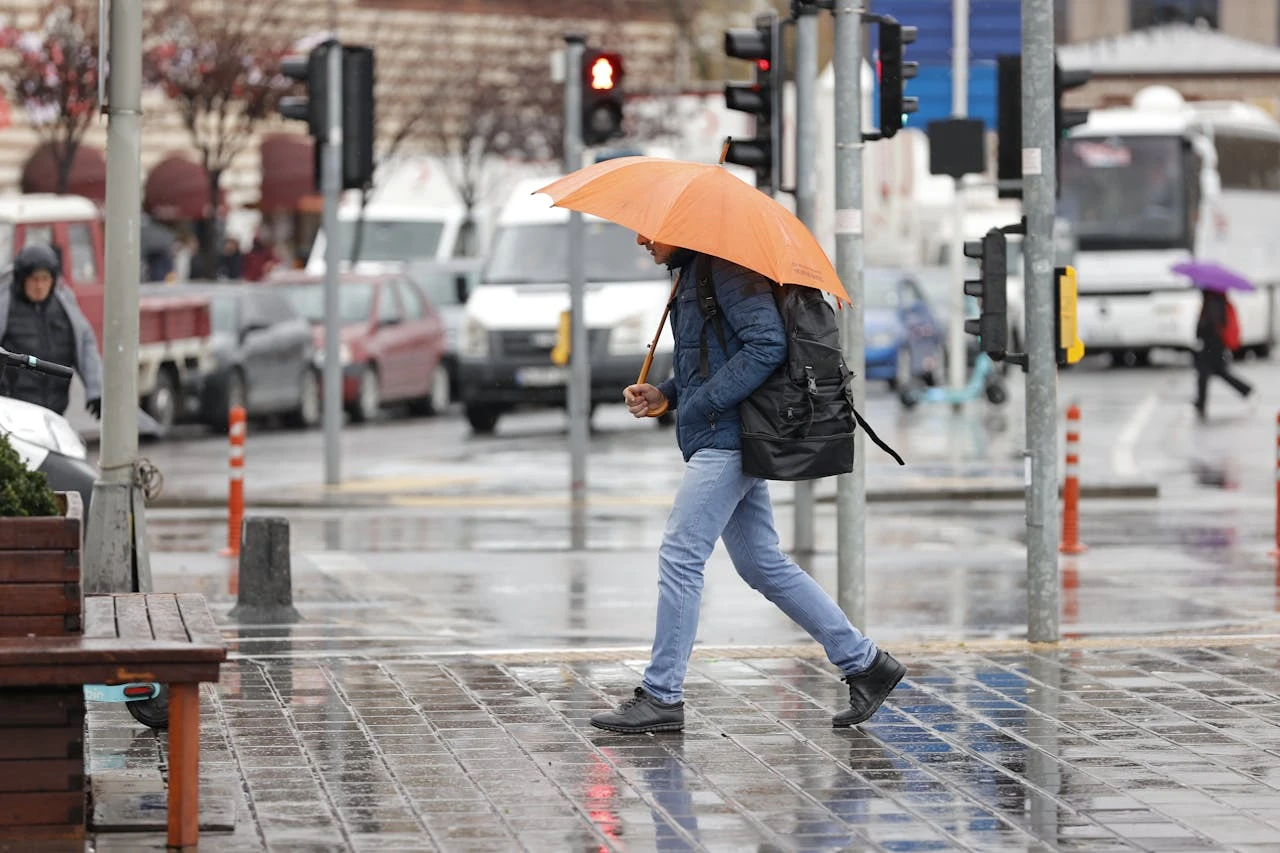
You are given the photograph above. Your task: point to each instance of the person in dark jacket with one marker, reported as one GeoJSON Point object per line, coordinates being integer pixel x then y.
{"type": "Point", "coordinates": [40, 316]}
{"type": "Point", "coordinates": [1211, 360]}
{"type": "Point", "coordinates": [231, 261]}
{"type": "Point", "coordinates": [716, 500]}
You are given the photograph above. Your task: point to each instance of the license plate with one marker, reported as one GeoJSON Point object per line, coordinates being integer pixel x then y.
{"type": "Point", "coordinates": [542, 376]}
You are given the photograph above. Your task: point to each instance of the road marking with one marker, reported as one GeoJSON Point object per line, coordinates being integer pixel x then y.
{"type": "Point", "coordinates": [1123, 460]}
{"type": "Point", "coordinates": [516, 501]}
{"type": "Point", "coordinates": [393, 484]}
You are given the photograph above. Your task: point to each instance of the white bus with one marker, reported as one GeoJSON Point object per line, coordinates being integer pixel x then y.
{"type": "Point", "coordinates": [1165, 181]}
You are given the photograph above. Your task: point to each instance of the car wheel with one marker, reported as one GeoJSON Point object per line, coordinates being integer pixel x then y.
{"type": "Point", "coordinates": [162, 402]}
{"type": "Point", "coordinates": [368, 397]}
{"type": "Point", "coordinates": [437, 400]}
{"type": "Point", "coordinates": [310, 410]}
{"type": "Point", "coordinates": [483, 419]}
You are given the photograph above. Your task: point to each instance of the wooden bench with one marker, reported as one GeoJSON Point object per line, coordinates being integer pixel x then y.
{"type": "Point", "coordinates": [160, 637]}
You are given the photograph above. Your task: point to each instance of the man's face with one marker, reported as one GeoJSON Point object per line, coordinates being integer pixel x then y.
{"type": "Point", "coordinates": [661, 252]}
{"type": "Point", "coordinates": [38, 285]}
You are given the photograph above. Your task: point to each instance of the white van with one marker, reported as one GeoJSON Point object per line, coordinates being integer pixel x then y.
{"type": "Point", "coordinates": [512, 317]}
{"type": "Point", "coordinates": [396, 234]}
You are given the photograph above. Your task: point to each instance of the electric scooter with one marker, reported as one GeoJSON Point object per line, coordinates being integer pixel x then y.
{"type": "Point", "coordinates": [46, 442]}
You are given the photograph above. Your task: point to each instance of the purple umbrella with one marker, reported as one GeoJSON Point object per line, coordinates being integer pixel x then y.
{"type": "Point", "coordinates": [1207, 275]}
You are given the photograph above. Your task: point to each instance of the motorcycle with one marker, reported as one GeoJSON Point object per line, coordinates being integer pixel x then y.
{"type": "Point", "coordinates": [46, 442]}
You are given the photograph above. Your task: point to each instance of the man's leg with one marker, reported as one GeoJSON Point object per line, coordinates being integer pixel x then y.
{"type": "Point", "coordinates": [712, 486]}
{"type": "Point", "coordinates": [1244, 389]}
{"type": "Point", "coordinates": [752, 542]}
{"type": "Point", "coordinates": [1203, 371]}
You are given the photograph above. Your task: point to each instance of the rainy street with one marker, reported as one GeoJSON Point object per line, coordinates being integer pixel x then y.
{"type": "Point", "coordinates": [435, 694]}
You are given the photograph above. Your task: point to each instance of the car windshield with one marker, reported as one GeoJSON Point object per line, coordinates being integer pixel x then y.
{"type": "Point", "coordinates": [539, 254]}
{"type": "Point", "coordinates": [390, 239]}
{"type": "Point", "coordinates": [1125, 192]}
{"type": "Point", "coordinates": [223, 315]}
{"type": "Point", "coordinates": [355, 300]}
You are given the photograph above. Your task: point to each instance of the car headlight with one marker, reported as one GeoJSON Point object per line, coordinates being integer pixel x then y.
{"type": "Point", "coordinates": [880, 340]}
{"type": "Point", "coordinates": [475, 339]}
{"type": "Point", "coordinates": [344, 355]}
{"type": "Point", "coordinates": [628, 336]}
{"type": "Point", "coordinates": [42, 428]}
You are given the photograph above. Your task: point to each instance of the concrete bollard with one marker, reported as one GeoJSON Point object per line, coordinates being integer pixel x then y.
{"type": "Point", "coordinates": [266, 582]}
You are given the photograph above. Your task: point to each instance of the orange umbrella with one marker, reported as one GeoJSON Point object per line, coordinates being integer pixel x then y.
{"type": "Point", "coordinates": [701, 207]}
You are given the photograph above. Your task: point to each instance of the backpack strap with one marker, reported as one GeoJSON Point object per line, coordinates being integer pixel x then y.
{"type": "Point", "coordinates": [706, 293]}
{"type": "Point", "coordinates": [872, 435]}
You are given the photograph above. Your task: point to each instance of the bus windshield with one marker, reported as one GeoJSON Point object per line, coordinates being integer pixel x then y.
{"type": "Point", "coordinates": [1126, 192]}
{"type": "Point", "coordinates": [537, 253]}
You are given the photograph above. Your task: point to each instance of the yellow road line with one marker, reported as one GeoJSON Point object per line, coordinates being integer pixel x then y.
{"type": "Point", "coordinates": [393, 484]}
{"type": "Point", "coordinates": [519, 501]}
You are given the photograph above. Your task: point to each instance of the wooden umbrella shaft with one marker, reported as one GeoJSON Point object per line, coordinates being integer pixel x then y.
{"type": "Point", "coordinates": [653, 346]}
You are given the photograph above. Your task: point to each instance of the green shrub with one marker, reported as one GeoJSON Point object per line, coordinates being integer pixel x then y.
{"type": "Point", "coordinates": [23, 492]}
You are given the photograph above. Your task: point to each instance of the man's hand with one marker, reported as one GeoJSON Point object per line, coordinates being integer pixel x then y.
{"type": "Point", "coordinates": [643, 398]}
{"type": "Point", "coordinates": [94, 407]}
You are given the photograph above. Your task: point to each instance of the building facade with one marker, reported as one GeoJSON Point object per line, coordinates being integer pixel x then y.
{"type": "Point", "coordinates": [1087, 20]}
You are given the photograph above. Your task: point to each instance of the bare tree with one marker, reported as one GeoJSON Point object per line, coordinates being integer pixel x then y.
{"type": "Point", "coordinates": [55, 77]}
{"type": "Point", "coordinates": [219, 60]}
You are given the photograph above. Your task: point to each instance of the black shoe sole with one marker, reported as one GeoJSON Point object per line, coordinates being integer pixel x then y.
{"type": "Point", "coordinates": [639, 730]}
{"type": "Point", "coordinates": [845, 724]}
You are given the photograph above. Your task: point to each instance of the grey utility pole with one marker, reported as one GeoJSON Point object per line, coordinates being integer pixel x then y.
{"type": "Point", "coordinates": [109, 550]}
{"type": "Point", "coordinates": [331, 186]}
{"type": "Point", "coordinates": [1039, 182]}
{"type": "Point", "coordinates": [806, 196]}
{"type": "Point", "coordinates": [579, 354]}
{"type": "Point", "coordinates": [851, 489]}
{"type": "Point", "coordinates": [959, 109]}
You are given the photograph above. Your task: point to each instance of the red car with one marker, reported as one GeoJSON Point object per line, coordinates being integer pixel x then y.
{"type": "Point", "coordinates": [393, 341]}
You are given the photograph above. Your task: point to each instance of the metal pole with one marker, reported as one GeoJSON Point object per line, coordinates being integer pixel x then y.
{"type": "Point", "coordinates": [579, 355]}
{"type": "Point", "coordinates": [109, 550]}
{"type": "Point", "coordinates": [806, 195]}
{"type": "Point", "coordinates": [851, 489]}
{"type": "Point", "coordinates": [331, 185]}
{"type": "Point", "coordinates": [1038, 194]}
{"type": "Point", "coordinates": [959, 109]}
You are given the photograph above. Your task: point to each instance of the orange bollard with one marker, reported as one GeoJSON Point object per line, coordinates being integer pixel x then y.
{"type": "Point", "coordinates": [236, 430]}
{"type": "Point", "coordinates": [1276, 551]}
{"type": "Point", "coordinates": [1071, 490]}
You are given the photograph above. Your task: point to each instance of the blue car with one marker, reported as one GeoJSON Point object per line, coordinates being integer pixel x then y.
{"type": "Point", "coordinates": [905, 339]}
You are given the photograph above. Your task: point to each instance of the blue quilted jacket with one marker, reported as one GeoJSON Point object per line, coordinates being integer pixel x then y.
{"type": "Point", "coordinates": [707, 410]}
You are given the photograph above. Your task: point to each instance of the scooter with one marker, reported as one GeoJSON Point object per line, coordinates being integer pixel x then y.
{"type": "Point", "coordinates": [983, 379]}
{"type": "Point", "coordinates": [46, 441]}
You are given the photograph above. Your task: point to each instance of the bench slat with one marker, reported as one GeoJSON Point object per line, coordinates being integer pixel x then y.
{"type": "Point", "coordinates": [166, 620]}
{"type": "Point", "coordinates": [131, 618]}
{"type": "Point", "coordinates": [99, 616]}
{"type": "Point", "coordinates": [196, 616]}
{"type": "Point", "coordinates": [64, 674]}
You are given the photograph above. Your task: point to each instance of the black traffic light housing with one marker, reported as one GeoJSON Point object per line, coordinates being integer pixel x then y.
{"type": "Point", "coordinates": [895, 106]}
{"type": "Point", "coordinates": [1009, 119]}
{"type": "Point", "coordinates": [357, 107]}
{"type": "Point", "coordinates": [990, 289]}
{"type": "Point", "coordinates": [601, 96]}
{"type": "Point", "coordinates": [762, 98]}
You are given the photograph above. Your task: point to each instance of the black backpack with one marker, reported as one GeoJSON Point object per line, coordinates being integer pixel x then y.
{"type": "Point", "coordinates": [798, 425]}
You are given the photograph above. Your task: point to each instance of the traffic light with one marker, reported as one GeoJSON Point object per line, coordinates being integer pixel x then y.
{"type": "Point", "coordinates": [1064, 81]}
{"type": "Point", "coordinates": [601, 97]}
{"type": "Point", "coordinates": [761, 98]}
{"type": "Point", "coordinates": [312, 71]}
{"type": "Point", "coordinates": [894, 74]}
{"type": "Point", "coordinates": [992, 325]}
{"type": "Point", "coordinates": [1067, 347]}
{"type": "Point", "coordinates": [1009, 119]}
{"type": "Point", "coordinates": [357, 117]}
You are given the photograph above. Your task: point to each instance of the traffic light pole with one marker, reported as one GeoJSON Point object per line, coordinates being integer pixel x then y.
{"type": "Point", "coordinates": [806, 195]}
{"type": "Point", "coordinates": [959, 109]}
{"type": "Point", "coordinates": [851, 489]}
{"type": "Point", "coordinates": [1039, 166]}
{"type": "Point", "coordinates": [579, 389]}
{"type": "Point", "coordinates": [111, 548]}
{"type": "Point", "coordinates": [331, 186]}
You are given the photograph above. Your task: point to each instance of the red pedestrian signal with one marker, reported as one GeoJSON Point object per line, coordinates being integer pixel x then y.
{"type": "Point", "coordinates": [601, 97]}
{"type": "Point", "coordinates": [603, 72]}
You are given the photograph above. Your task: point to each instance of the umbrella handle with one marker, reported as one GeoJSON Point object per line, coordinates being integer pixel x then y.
{"type": "Point", "coordinates": [648, 358]}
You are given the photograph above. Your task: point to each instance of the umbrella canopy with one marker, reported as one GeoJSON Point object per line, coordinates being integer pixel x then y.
{"type": "Point", "coordinates": [701, 207]}
{"type": "Point", "coordinates": [1207, 275]}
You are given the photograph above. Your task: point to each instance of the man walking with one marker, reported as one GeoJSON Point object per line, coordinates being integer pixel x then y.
{"type": "Point", "coordinates": [717, 501]}
{"type": "Point", "coordinates": [38, 317]}
{"type": "Point", "coordinates": [1218, 332]}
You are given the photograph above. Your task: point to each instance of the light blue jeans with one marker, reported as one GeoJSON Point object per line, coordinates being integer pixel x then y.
{"type": "Point", "coordinates": [716, 500]}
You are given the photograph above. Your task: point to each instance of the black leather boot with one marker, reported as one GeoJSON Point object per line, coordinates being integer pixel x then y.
{"type": "Point", "coordinates": [642, 713]}
{"type": "Point", "coordinates": [867, 690]}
